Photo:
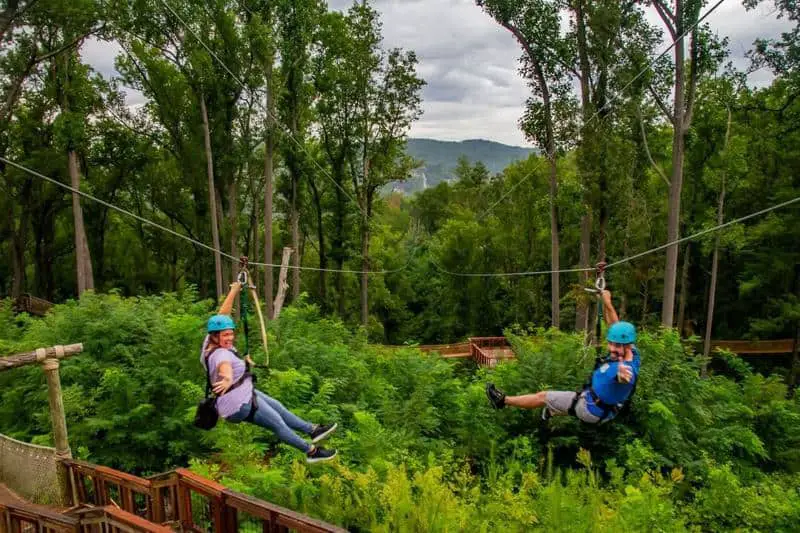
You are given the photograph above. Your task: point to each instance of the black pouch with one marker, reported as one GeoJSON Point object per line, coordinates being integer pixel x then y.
{"type": "Point", "coordinates": [206, 416]}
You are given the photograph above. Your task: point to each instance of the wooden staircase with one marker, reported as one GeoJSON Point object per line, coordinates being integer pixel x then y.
{"type": "Point", "coordinates": [109, 501]}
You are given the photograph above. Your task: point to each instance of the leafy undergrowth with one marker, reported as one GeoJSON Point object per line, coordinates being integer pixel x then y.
{"type": "Point", "coordinates": [419, 447]}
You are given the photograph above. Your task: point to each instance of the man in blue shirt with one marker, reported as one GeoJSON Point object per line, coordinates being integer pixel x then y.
{"type": "Point", "coordinates": [612, 382]}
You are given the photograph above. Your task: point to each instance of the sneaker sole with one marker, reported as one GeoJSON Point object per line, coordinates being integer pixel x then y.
{"type": "Point", "coordinates": [492, 402]}
{"type": "Point", "coordinates": [324, 435]}
{"type": "Point", "coordinates": [319, 459]}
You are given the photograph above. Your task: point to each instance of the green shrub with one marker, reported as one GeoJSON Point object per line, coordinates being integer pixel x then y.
{"type": "Point", "coordinates": [420, 448]}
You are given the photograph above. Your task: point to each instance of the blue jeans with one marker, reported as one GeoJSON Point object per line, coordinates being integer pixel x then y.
{"type": "Point", "coordinates": [273, 415]}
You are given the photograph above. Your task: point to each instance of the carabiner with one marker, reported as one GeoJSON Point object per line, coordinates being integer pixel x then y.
{"type": "Point", "coordinates": [600, 283]}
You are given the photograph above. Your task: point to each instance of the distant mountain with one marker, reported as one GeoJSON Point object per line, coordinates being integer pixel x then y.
{"type": "Point", "coordinates": [441, 157]}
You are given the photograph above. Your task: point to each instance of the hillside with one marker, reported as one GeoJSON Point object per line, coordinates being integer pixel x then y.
{"type": "Point", "coordinates": [440, 158]}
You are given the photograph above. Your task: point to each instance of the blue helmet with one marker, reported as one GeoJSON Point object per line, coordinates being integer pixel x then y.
{"type": "Point", "coordinates": [220, 323]}
{"type": "Point", "coordinates": [621, 333]}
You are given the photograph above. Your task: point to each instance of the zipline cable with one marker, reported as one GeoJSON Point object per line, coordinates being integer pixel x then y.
{"type": "Point", "coordinates": [706, 231]}
{"type": "Point", "coordinates": [436, 265]}
{"type": "Point", "coordinates": [633, 257]}
{"type": "Point", "coordinates": [185, 237]}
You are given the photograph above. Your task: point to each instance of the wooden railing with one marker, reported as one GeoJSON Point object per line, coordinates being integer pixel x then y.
{"type": "Point", "coordinates": [185, 500]}
{"type": "Point", "coordinates": [447, 351]}
{"type": "Point", "coordinates": [111, 519]}
{"type": "Point", "coordinates": [19, 517]}
{"type": "Point", "coordinates": [484, 350]}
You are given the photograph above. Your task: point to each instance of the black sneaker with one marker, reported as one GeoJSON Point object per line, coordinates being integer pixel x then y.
{"type": "Point", "coordinates": [321, 431]}
{"type": "Point", "coordinates": [318, 455]}
{"type": "Point", "coordinates": [496, 398]}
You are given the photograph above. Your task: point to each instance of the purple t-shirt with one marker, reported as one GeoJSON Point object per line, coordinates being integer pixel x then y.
{"type": "Point", "coordinates": [230, 402]}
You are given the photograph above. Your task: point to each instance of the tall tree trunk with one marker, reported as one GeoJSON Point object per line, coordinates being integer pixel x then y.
{"type": "Point", "coordinates": [18, 261]}
{"type": "Point", "coordinates": [794, 373]}
{"type": "Point", "coordinates": [582, 308]}
{"type": "Point", "coordinates": [684, 287]}
{"type": "Point", "coordinates": [295, 222]}
{"type": "Point", "coordinates": [712, 289]}
{"type": "Point", "coordinates": [44, 234]}
{"type": "Point", "coordinates": [233, 215]}
{"type": "Point", "coordinates": [365, 269]}
{"type": "Point", "coordinates": [323, 257]}
{"type": "Point", "coordinates": [366, 206]}
{"type": "Point", "coordinates": [269, 149]}
{"type": "Point", "coordinates": [602, 216]}
{"type": "Point", "coordinates": [681, 120]}
{"type": "Point", "coordinates": [673, 230]}
{"type": "Point", "coordinates": [554, 246]}
{"type": "Point", "coordinates": [173, 265]}
{"type": "Point", "coordinates": [645, 300]}
{"type": "Point", "coordinates": [82, 255]}
{"type": "Point", "coordinates": [338, 247]}
{"type": "Point", "coordinates": [212, 196]}
{"type": "Point", "coordinates": [227, 266]}
{"type": "Point", "coordinates": [550, 142]}
{"type": "Point", "coordinates": [550, 153]}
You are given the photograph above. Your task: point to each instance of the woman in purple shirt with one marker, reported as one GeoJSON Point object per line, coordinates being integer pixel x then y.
{"type": "Point", "coordinates": [237, 399]}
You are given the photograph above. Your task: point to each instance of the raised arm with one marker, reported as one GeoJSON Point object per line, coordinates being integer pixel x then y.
{"type": "Point", "coordinates": [609, 312]}
{"type": "Point", "coordinates": [227, 305]}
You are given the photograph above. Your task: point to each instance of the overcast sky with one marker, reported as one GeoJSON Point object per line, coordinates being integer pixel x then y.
{"type": "Point", "coordinates": [470, 63]}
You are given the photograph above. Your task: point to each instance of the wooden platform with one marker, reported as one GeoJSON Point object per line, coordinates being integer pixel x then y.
{"type": "Point", "coordinates": [497, 348]}
{"type": "Point", "coordinates": [486, 351]}
{"type": "Point", "coordinates": [771, 347]}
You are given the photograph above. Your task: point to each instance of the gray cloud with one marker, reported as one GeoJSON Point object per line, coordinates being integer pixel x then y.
{"type": "Point", "coordinates": [471, 64]}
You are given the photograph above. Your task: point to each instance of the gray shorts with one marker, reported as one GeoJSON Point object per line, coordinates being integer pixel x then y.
{"type": "Point", "coordinates": [558, 403]}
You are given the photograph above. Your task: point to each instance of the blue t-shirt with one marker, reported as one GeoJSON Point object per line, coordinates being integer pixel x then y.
{"type": "Point", "coordinates": [606, 386]}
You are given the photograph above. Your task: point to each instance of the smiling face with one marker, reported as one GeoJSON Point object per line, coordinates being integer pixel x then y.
{"type": "Point", "coordinates": [224, 339]}
{"type": "Point", "coordinates": [617, 350]}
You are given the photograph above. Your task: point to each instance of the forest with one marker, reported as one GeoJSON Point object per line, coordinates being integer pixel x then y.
{"type": "Point", "coordinates": [273, 125]}
{"type": "Point", "coordinates": [280, 124]}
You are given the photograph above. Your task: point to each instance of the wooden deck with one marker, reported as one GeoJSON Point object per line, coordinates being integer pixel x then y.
{"type": "Point", "coordinates": [771, 347]}
{"type": "Point", "coordinates": [497, 348]}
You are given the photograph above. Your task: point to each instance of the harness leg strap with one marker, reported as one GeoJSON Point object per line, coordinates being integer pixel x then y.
{"type": "Point", "coordinates": [253, 408]}
{"type": "Point", "coordinates": [575, 400]}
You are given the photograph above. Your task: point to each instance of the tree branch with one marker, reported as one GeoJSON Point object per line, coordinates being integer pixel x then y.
{"type": "Point", "coordinates": [661, 104]}
{"type": "Point", "coordinates": [694, 52]}
{"type": "Point", "coordinates": [667, 16]}
{"type": "Point", "coordinates": [69, 45]}
{"type": "Point", "coordinates": [13, 93]}
{"type": "Point", "coordinates": [647, 148]}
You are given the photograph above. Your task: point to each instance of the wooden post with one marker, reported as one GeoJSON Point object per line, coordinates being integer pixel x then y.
{"type": "Point", "coordinates": [38, 356]}
{"type": "Point", "coordinates": [57, 418]}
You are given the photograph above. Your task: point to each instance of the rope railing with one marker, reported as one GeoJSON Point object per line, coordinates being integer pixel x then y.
{"type": "Point", "coordinates": [30, 470]}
